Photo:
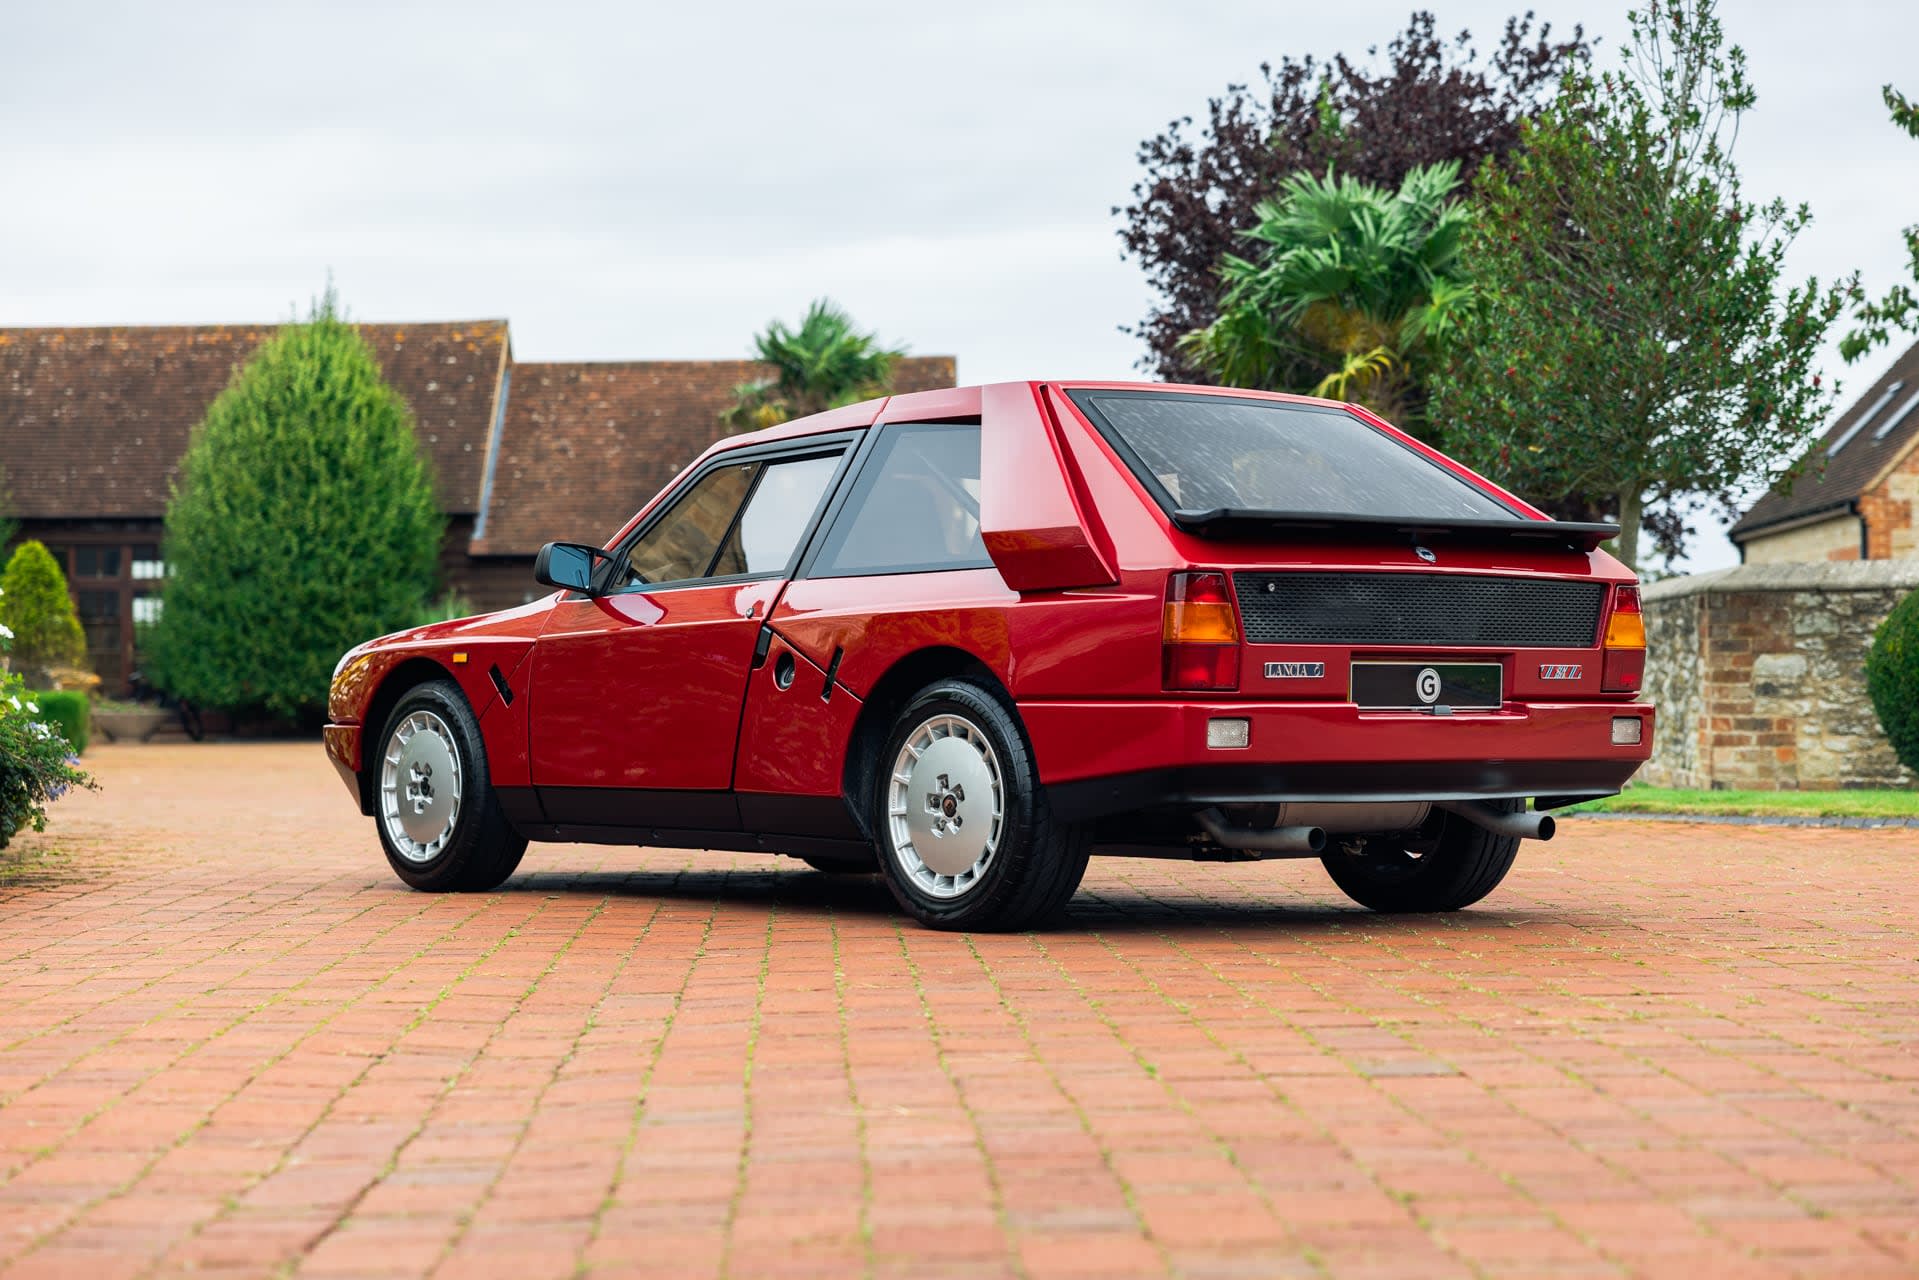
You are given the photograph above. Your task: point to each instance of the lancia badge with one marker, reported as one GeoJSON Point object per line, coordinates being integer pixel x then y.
{"type": "Point", "coordinates": [1295, 670]}
{"type": "Point", "coordinates": [1425, 555]}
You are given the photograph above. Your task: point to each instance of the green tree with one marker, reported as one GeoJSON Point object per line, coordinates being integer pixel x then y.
{"type": "Point", "coordinates": [1899, 308]}
{"type": "Point", "coordinates": [36, 609]}
{"type": "Point", "coordinates": [303, 522]}
{"type": "Point", "coordinates": [1632, 341]}
{"type": "Point", "coordinates": [824, 363]}
{"type": "Point", "coordinates": [1349, 287]}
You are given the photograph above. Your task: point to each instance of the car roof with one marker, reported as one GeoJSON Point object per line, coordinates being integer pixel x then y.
{"type": "Point", "coordinates": [964, 402]}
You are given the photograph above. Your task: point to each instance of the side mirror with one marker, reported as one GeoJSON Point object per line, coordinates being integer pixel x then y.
{"type": "Point", "coordinates": [568, 565]}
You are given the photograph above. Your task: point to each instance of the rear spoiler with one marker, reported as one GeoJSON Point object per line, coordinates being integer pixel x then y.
{"type": "Point", "coordinates": [1242, 522]}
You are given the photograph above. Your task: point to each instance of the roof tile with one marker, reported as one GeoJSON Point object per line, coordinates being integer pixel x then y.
{"type": "Point", "coordinates": [585, 445]}
{"type": "Point", "coordinates": [93, 422]}
{"type": "Point", "coordinates": [1848, 474]}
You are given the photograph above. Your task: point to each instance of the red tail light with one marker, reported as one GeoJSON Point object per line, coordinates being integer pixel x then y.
{"type": "Point", "coordinates": [1624, 668]}
{"type": "Point", "coordinates": [1199, 635]}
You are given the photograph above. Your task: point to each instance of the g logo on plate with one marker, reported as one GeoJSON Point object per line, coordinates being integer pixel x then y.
{"type": "Point", "coordinates": [1426, 685]}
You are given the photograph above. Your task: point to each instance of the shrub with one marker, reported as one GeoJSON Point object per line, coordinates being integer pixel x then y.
{"type": "Point", "coordinates": [1892, 678]}
{"type": "Point", "coordinates": [68, 711]}
{"type": "Point", "coordinates": [38, 612]}
{"type": "Point", "coordinates": [447, 608]}
{"type": "Point", "coordinates": [35, 762]}
{"type": "Point", "coordinates": [303, 522]}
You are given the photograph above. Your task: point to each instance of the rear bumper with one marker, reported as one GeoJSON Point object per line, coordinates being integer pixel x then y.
{"type": "Point", "coordinates": [343, 749]}
{"type": "Point", "coordinates": [1101, 758]}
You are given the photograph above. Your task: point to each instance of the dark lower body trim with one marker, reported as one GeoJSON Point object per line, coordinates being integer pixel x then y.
{"type": "Point", "coordinates": [1561, 781]}
{"type": "Point", "coordinates": [748, 821]}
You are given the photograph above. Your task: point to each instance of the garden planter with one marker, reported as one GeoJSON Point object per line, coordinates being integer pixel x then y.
{"type": "Point", "coordinates": [129, 726]}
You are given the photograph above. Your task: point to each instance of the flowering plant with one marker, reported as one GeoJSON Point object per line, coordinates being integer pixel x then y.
{"type": "Point", "coordinates": [36, 763]}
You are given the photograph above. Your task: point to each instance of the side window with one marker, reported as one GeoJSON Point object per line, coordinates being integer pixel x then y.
{"type": "Point", "coordinates": [768, 532]}
{"type": "Point", "coordinates": [915, 508]}
{"type": "Point", "coordinates": [682, 543]}
{"type": "Point", "coordinates": [707, 534]}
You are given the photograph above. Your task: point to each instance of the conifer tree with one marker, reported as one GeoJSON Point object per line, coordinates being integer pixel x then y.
{"type": "Point", "coordinates": [303, 521]}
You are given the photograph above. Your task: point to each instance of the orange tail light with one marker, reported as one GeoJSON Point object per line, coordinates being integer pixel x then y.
{"type": "Point", "coordinates": [1624, 668]}
{"type": "Point", "coordinates": [1199, 634]}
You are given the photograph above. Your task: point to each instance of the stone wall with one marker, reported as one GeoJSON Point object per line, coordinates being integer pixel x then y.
{"type": "Point", "coordinates": [1759, 675]}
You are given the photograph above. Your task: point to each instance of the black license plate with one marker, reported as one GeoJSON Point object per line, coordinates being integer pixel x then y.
{"type": "Point", "coordinates": [1421, 686]}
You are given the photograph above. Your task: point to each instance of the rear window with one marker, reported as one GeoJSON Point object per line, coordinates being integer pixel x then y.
{"type": "Point", "coordinates": [1200, 453]}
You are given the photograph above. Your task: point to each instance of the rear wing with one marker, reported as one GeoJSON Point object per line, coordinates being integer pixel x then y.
{"type": "Point", "coordinates": [1241, 522]}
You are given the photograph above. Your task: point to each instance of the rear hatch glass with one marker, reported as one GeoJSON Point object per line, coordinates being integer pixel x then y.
{"type": "Point", "coordinates": [1200, 453]}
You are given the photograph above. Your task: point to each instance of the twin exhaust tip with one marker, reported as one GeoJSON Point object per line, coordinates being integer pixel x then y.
{"type": "Point", "coordinates": [1309, 841]}
{"type": "Point", "coordinates": [1527, 826]}
{"type": "Point", "coordinates": [1300, 840]}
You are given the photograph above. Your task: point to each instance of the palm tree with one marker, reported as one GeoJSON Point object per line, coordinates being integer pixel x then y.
{"type": "Point", "coordinates": [1350, 287]}
{"type": "Point", "coordinates": [824, 363]}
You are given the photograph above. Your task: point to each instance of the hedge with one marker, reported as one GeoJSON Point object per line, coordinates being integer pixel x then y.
{"type": "Point", "coordinates": [68, 711]}
{"type": "Point", "coordinates": [1892, 678]}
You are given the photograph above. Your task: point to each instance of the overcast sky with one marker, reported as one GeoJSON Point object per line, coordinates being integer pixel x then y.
{"type": "Point", "coordinates": [645, 181]}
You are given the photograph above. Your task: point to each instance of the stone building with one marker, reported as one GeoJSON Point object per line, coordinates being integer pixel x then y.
{"type": "Point", "coordinates": [1857, 496]}
{"type": "Point", "coordinates": [93, 423]}
{"type": "Point", "coordinates": [1759, 671]}
{"type": "Point", "coordinates": [1759, 676]}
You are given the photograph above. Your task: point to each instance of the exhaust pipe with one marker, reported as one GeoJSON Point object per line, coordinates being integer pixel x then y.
{"type": "Point", "coordinates": [1300, 841]}
{"type": "Point", "coordinates": [1527, 826]}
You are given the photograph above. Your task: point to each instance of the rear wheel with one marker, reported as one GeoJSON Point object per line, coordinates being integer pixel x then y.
{"type": "Point", "coordinates": [1453, 869]}
{"type": "Point", "coordinates": [967, 838]}
{"type": "Point", "coordinates": [434, 805]}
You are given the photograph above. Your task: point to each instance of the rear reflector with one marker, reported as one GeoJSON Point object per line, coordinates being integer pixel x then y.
{"type": "Point", "coordinates": [1624, 668]}
{"type": "Point", "coordinates": [1231, 734]}
{"type": "Point", "coordinates": [1199, 633]}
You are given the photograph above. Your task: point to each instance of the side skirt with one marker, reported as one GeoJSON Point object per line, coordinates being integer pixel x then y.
{"type": "Point", "coordinates": [745, 822]}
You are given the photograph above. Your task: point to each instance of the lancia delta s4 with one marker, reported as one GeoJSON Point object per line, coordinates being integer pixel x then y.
{"type": "Point", "coordinates": [969, 638]}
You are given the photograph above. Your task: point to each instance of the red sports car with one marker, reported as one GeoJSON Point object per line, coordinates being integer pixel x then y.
{"type": "Point", "coordinates": [967, 638]}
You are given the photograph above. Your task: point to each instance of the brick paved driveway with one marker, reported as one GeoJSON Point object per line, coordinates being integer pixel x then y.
{"type": "Point", "coordinates": [231, 1041]}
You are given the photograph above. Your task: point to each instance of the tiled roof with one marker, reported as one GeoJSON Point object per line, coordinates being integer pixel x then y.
{"type": "Point", "coordinates": [585, 445]}
{"type": "Point", "coordinates": [93, 422]}
{"type": "Point", "coordinates": [1833, 482]}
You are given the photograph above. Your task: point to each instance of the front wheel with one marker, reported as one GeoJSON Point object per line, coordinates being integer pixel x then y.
{"type": "Point", "coordinates": [1444, 872]}
{"type": "Point", "coordinates": [967, 838]}
{"type": "Point", "coordinates": [439, 819]}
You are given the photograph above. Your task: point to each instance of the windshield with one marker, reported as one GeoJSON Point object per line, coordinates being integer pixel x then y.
{"type": "Point", "coordinates": [1201, 453]}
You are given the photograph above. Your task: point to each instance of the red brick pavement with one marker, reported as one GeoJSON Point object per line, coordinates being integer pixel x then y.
{"type": "Point", "coordinates": [231, 1042]}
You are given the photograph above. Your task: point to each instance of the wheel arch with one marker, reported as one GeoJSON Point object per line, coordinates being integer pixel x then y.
{"type": "Point", "coordinates": [394, 685]}
{"type": "Point", "coordinates": [882, 705]}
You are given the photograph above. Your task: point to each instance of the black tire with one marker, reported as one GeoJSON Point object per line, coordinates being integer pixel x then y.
{"type": "Point", "coordinates": [1037, 861]}
{"type": "Point", "coordinates": [482, 849]}
{"type": "Point", "coordinates": [1456, 868]}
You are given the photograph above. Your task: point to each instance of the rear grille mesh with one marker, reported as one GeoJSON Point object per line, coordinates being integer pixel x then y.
{"type": "Point", "coordinates": [1418, 609]}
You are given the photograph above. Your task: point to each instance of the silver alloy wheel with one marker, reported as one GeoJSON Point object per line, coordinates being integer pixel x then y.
{"type": "Point", "coordinates": [945, 806]}
{"type": "Point", "coordinates": [420, 786]}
